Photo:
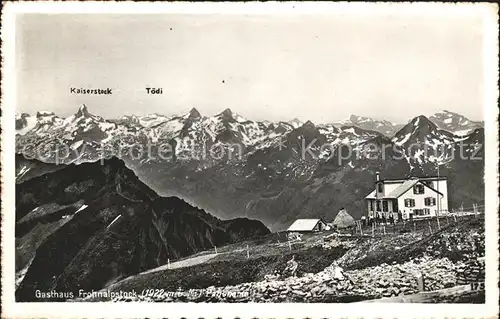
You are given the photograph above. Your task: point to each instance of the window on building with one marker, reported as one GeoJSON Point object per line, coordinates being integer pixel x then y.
{"type": "Point", "coordinates": [378, 205]}
{"type": "Point", "coordinates": [430, 201]}
{"type": "Point", "coordinates": [409, 202]}
{"type": "Point", "coordinates": [385, 206]}
{"type": "Point", "coordinates": [418, 189]}
{"type": "Point", "coordinates": [428, 183]}
{"type": "Point", "coordinates": [370, 205]}
{"type": "Point", "coordinates": [380, 187]}
{"type": "Point", "coordinates": [422, 211]}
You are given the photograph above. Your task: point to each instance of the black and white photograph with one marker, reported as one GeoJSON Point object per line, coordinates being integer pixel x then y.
{"type": "Point", "coordinates": [323, 156]}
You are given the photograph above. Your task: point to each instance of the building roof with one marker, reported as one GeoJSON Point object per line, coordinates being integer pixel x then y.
{"type": "Point", "coordinates": [304, 224]}
{"type": "Point", "coordinates": [401, 189]}
{"type": "Point", "coordinates": [371, 195]}
{"type": "Point", "coordinates": [422, 178]}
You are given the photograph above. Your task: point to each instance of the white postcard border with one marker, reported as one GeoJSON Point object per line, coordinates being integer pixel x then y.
{"type": "Point", "coordinates": [10, 309]}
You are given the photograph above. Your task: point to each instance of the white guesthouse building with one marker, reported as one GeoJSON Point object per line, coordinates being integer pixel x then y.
{"type": "Point", "coordinates": [415, 197]}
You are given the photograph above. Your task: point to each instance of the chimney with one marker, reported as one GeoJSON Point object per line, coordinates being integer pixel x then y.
{"type": "Point", "coordinates": [377, 176]}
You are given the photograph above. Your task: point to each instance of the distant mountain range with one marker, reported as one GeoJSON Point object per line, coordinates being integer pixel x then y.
{"type": "Point", "coordinates": [271, 171]}
{"type": "Point", "coordinates": [455, 123]}
{"type": "Point", "coordinates": [83, 226]}
{"type": "Point", "coordinates": [445, 120]}
{"type": "Point", "coordinates": [385, 127]}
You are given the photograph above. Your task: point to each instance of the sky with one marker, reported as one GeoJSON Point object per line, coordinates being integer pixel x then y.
{"type": "Point", "coordinates": [320, 68]}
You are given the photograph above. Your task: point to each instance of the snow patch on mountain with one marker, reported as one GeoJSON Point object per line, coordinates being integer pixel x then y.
{"type": "Point", "coordinates": [25, 169]}
{"type": "Point", "coordinates": [296, 123]}
{"type": "Point", "coordinates": [384, 127]}
{"type": "Point", "coordinates": [454, 122]}
{"type": "Point", "coordinates": [29, 123]}
{"type": "Point", "coordinates": [81, 208]}
{"type": "Point", "coordinates": [398, 140]}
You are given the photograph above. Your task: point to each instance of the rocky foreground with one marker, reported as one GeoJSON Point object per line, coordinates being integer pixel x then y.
{"type": "Point", "coordinates": [329, 285]}
{"type": "Point", "coordinates": [362, 268]}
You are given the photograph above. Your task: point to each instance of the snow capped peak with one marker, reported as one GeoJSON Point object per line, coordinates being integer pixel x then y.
{"type": "Point", "coordinates": [228, 115]}
{"type": "Point", "coordinates": [420, 121]}
{"type": "Point", "coordinates": [227, 112]}
{"type": "Point", "coordinates": [296, 123]}
{"type": "Point", "coordinates": [194, 114]}
{"type": "Point", "coordinates": [82, 111]}
{"type": "Point", "coordinates": [308, 124]}
{"type": "Point", "coordinates": [421, 130]}
{"type": "Point", "coordinates": [359, 119]}
{"type": "Point", "coordinates": [446, 113]}
{"type": "Point", "coordinates": [24, 123]}
{"type": "Point", "coordinates": [44, 113]}
{"type": "Point", "coordinates": [454, 122]}
{"type": "Point", "coordinates": [22, 116]}
{"type": "Point", "coordinates": [83, 114]}
{"type": "Point", "coordinates": [344, 122]}
{"type": "Point", "coordinates": [382, 126]}
{"type": "Point", "coordinates": [132, 119]}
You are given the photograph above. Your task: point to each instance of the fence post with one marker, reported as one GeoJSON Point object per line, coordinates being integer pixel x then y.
{"type": "Point", "coordinates": [373, 230]}
{"type": "Point", "coordinates": [215, 249]}
{"type": "Point", "coordinates": [384, 229]}
{"type": "Point", "coordinates": [289, 245]}
{"type": "Point", "coordinates": [168, 263]}
{"type": "Point", "coordinates": [455, 218]}
{"type": "Point", "coordinates": [414, 227]}
{"type": "Point", "coordinates": [430, 228]}
{"type": "Point", "coordinates": [248, 253]}
{"type": "Point", "coordinates": [439, 225]}
{"type": "Point", "coordinates": [420, 282]}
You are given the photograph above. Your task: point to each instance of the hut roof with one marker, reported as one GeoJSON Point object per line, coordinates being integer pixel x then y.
{"type": "Point", "coordinates": [343, 220]}
{"type": "Point", "coordinates": [304, 224]}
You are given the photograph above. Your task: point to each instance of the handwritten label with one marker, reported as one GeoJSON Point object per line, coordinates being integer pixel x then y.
{"type": "Point", "coordinates": [477, 285]}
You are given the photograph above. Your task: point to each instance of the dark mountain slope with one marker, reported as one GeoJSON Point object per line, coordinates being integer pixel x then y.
{"type": "Point", "coordinates": [29, 168]}
{"type": "Point", "coordinates": [84, 226]}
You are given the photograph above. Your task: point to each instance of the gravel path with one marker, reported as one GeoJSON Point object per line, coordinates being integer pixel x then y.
{"type": "Point", "coordinates": [183, 263]}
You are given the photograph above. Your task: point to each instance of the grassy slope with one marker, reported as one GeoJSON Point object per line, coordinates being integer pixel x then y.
{"type": "Point", "coordinates": [232, 267]}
